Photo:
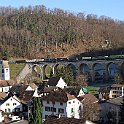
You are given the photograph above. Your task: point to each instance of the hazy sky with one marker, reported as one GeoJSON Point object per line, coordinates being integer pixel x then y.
{"type": "Point", "coordinates": [110, 8]}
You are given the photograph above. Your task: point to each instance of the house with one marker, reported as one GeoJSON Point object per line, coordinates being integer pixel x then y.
{"type": "Point", "coordinates": [104, 93]}
{"type": "Point", "coordinates": [17, 89]}
{"type": "Point", "coordinates": [11, 104]}
{"type": "Point", "coordinates": [76, 91]}
{"type": "Point", "coordinates": [26, 98]}
{"type": "Point", "coordinates": [43, 90]}
{"type": "Point", "coordinates": [57, 81]}
{"type": "Point", "coordinates": [1, 116]}
{"type": "Point", "coordinates": [110, 109]}
{"type": "Point", "coordinates": [65, 120]}
{"type": "Point", "coordinates": [116, 90]}
{"type": "Point", "coordinates": [90, 107]}
{"type": "Point", "coordinates": [5, 85]}
{"type": "Point", "coordinates": [4, 70]}
{"type": "Point", "coordinates": [60, 103]}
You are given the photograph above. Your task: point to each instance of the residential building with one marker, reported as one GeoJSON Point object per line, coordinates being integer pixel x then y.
{"type": "Point", "coordinates": [76, 91]}
{"type": "Point", "coordinates": [43, 90]}
{"type": "Point", "coordinates": [4, 70]}
{"type": "Point", "coordinates": [110, 109]}
{"type": "Point", "coordinates": [57, 81]}
{"type": "Point", "coordinates": [5, 85]}
{"type": "Point", "coordinates": [90, 107]}
{"type": "Point", "coordinates": [116, 90]}
{"type": "Point", "coordinates": [11, 104]}
{"type": "Point", "coordinates": [60, 103]}
{"type": "Point", "coordinates": [17, 89]}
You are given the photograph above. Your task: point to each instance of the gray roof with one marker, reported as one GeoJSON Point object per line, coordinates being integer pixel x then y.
{"type": "Point", "coordinates": [116, 101]}
{"type": "Point", "coordinates": [53, 81]}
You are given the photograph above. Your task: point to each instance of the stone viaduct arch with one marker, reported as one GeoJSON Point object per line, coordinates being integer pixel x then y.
{"type": "Point", "coordinates": [95, 69]}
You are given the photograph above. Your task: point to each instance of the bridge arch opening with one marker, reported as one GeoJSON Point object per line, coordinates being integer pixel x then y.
{"type": "Point", "coordinates": [112, 70]}
{"type": "Point", "coordinates": [73, 69]}
{"type": "Point", "coordinates": [84, 69]}
{"type": "Point", "coordinates": [47, 71]}
{"type": "Point", "coordinates": [58, 69]}
{"type": "Point", "coordinates": [99, 74]}
{"type": "Point", "coordinates": [36, 70]}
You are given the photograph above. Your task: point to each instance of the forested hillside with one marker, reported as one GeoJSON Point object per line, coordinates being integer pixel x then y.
{"type": "Point", "coordinates": [36, 32]}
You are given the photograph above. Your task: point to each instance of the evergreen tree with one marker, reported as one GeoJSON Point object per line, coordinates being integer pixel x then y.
{"type": "Point", "coordinates": [122, 112]}
{"type": "Point", "coordinates": [68, 76]}
{"type": "Point", "coordinates": [36, 112]}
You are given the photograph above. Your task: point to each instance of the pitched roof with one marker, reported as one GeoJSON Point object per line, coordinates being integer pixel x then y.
{"type": "Point", "coordinates": [8, 96]}
{"type": "Point", "coordinates": [73, 90]}
{"type": "Point", "coordinates": [116, 101]}
{"type": "Point", "coordinates": [18, 88]}
{"type": "Point", "coordinates": [26, 96]}
{"type": "Point", "coordinates": [48, 89]}
{"type": "Point", "coordinates": [88, 97]}
{"type": "Point", "coordinates": [4, 83]}
{"type": "Point", "coordinates": [64, 120]}
{"type": "Point", "coordinates": [53, 81]}
{"type": "Point", "coordinates": [33, 85]}
{"type": "Point", "coordinates": [59, 96]}
{"type": "Point", "coordinates": [2, 96]}
{"type": "Point", "coordinates": [117, 85]}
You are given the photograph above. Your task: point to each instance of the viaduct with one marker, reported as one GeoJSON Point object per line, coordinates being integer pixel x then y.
{"type": "Point", "coordinates": [96, 70]}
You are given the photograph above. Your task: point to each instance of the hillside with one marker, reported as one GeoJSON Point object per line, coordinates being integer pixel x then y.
{"type": "Point", "coordinates": [37, 32]}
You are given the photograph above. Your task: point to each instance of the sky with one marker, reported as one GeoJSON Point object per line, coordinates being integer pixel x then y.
{"type": "Point", "coordinates": [109, 8]}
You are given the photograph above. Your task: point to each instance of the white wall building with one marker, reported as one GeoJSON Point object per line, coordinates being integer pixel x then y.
{"type": "Point", "coordinates": [4, 70]}
{"type": "Point", "coordinates": [116, 90]}
{"type": "Point", "coordinates": [11, 104]}
{"type": "Point", "coordinates": [62, 104]}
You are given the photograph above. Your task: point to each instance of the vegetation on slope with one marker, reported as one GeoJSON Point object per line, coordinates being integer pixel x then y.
{"type": "Point", "coordinates": [34, 32]}
{"type": "Point", "coordinates": [15, 69]}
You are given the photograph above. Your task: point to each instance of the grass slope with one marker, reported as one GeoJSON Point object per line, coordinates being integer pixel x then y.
{"type": "Point", "coordinates": [15, 69]}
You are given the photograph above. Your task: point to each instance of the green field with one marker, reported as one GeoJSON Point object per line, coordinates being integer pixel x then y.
{"type": "Point", "coordinates": [15, 69]}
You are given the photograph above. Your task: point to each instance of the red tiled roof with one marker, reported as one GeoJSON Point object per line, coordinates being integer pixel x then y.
{"type": "Point", "coordinates": [4, 83]}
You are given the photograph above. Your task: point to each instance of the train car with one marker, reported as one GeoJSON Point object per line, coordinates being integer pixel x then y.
{"type": "Point", "coordinates": [87, 58]}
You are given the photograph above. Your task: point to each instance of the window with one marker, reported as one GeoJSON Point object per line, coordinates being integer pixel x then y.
{"type": "Point", "coordinates": [5, 110]}
{"type": "Point", "coordinates": [73, 101]}
{"type": "Point", "coordinates": [7, 104]}
{"type": "Point", "coordinates": [8, 110]}
{"type": "Point", "coordinates": [69, 102]}
{"type": "Point", "coordinates": [47, 102]}
{"type": "Point", "coordinates": [47, 108]}
{"type": "Point", "coordinates": [53, 109]}
{"type": "Point", "coordinates": [14, 104]}
{"type": "Point", "coordinates": [60, 110]}
{"type": "Point", "coordinates": [72, 110]}
{"type": "Point", "coordinates": [61, 103]}
{"type": "Point", "coordinates": [2, 70]}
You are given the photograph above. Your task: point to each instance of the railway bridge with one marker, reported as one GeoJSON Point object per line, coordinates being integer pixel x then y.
{"type": "Point", "coordinates": [96, 70]}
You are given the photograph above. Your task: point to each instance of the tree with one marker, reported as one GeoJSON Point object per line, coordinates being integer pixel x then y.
{"type": "Point", "coordinates": [68, 76]}
{"type": "Point", "coordinates": [122, 112]}
{"type": "Point", "coordinates": [36, 112]}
